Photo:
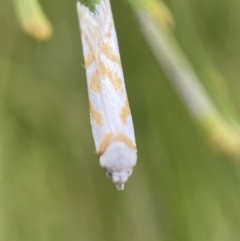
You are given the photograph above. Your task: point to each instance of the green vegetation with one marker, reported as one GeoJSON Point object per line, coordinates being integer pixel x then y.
{"type": "Point", "coordinates": [183, 187]}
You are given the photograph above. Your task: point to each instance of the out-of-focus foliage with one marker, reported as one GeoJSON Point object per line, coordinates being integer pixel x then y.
{"type": "Point", "coordinates": [52, 187]}
{"type": "Point", "coordinates": [214, 111]}
{"type": "Point", "coordinates": [32, 19]}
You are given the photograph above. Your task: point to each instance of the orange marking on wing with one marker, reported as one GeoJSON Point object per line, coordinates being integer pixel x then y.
{"type": "Point", "coordinates": [108, 52]}
{"type": "Point", "coordinates": [116, 81]}
{"type": "Point", "coordinates": [95, 85]}
{"type": "Point", "coordinates": [109, 33]}
{"type": "Point", "coordinates": [110, 138]}
{"type": "Point", "coordinates": [89, 60]}
{"type": "Point", "coordinates": [126, 140]}
{"type": "Point", "coordinates": [85, 39]}
{"type": "Point", "coordinates": [96, 115]}
{"type": "Point", "coordinates": [105, 143]}
{"type": "Point", "coordinates": [125, 112]}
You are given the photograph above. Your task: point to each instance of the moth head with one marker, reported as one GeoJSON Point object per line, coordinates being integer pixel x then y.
{"type": "Point", "coordinates": [118, 161]}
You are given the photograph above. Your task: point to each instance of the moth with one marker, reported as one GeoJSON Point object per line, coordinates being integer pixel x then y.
{"type": "Point", "coordinates": [110, 114]}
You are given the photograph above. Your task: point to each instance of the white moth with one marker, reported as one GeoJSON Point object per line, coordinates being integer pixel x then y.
{"type": "Point", "coordinates": [111, 118]}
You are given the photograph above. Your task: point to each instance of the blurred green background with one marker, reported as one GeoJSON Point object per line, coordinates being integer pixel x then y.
{"type": "Point", "coordinates": [51, 184]}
